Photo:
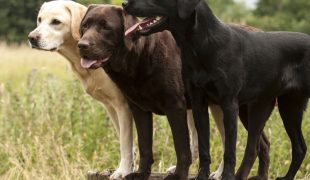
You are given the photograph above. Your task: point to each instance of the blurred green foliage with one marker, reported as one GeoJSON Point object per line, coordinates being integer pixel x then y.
{"type": "Point", "coordinates": [19, 17]}
{"type": "Point", "coordinates": [288, 15]}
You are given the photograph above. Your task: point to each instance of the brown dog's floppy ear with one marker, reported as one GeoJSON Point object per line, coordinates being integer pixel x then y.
{"type": "Point", "coordinates": [186, 7]}
{"type": "Point", "coordinates": [129, 21]}
{"type": "Point", "coordinates": [77, 12]}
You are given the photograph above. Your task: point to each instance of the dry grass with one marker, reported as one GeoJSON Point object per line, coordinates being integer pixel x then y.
{"type": "Point", "coordinates": [50, 129]}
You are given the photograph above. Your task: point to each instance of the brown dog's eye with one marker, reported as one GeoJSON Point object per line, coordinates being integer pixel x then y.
{"type": "Point", "coordinates": [104, 25]}
{"type": "Point", "coordinates": [84, 26]}
{"type": "Point", "coordinates": [55, 22]}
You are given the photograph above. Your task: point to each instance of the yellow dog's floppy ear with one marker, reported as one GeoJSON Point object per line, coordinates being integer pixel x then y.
{"type": "Point", "coordinates": [186, 7]}
{"type": "Point", "coordinates": [77, 12]}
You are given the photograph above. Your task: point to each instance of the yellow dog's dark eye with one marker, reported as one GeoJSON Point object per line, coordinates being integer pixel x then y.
{"type": "Point", "coordinates": [55, 22]}
{"type": "Point", "coordinates": [39, 20]}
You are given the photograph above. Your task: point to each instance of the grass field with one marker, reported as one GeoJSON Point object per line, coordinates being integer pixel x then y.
{"type": "Point", "coordinates": [50, 129]}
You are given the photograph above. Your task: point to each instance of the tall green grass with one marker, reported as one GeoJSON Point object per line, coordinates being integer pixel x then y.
{"type": "Point", "coordinates": [50, 129]}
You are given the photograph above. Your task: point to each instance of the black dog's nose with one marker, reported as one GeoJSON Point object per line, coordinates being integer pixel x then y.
{"type": "Point", "coordinates": [83, 45]}
{"type": "Point", "coordinates": [125, 4]}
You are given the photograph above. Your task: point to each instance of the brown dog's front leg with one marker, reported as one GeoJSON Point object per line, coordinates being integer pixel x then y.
{"type": "Point", "coordinates": [178, 124]}
{"type": "Point", "coordinates": [144, 125]}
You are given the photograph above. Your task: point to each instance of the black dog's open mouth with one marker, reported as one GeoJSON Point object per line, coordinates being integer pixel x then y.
{"type": "Point", "coordinates": [94, 64]}
{"type": "Point", "coordinates": [146, 25]}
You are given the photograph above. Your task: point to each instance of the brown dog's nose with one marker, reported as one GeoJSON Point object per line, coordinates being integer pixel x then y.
{"type": "Point", "coordinates": [83, 45]}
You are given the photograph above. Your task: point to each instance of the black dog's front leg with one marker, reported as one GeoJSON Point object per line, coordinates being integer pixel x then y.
{"type": "Point", "coordinates": [144, 124]}
{"type": "Point", "coordinates": [230, 110]}
{"type": "Point", "coordinates": [201, 117]}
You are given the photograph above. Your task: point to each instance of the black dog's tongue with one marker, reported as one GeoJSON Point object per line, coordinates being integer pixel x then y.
{"type": "Point", "coordinates": [139, 26]}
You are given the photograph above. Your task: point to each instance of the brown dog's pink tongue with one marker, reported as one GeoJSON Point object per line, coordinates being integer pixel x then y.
{"type": "Point", "coordinates": [86, 63]}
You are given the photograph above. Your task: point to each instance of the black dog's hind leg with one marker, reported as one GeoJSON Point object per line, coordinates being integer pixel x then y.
{"type": "Point", "coordinates": [202, 124]}
{"type": "Point", "coordinates": [258, 114]}
{"type": "Point", "coordinates": [178, 124]}
{"type": "Point", "coordinates": [144, 124]}
{"type": "Point", "coordinates": [291, 110]}
{"type": "Point", "coordinates": [264, 146]}
{"type": "Point", "coordinates": [230, 110]}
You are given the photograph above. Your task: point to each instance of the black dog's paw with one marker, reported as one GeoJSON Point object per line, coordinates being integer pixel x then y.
{"type": "Point", "coordinates": [258, 178]}
{"type": "Point", "coordinates": [283, 178]}
{"type": "Point", "coordinates": [173, 177]}
{"type": "Point", "coordinates": [203, 174]}
{"type": "Point", "coordinates": [137, 176]}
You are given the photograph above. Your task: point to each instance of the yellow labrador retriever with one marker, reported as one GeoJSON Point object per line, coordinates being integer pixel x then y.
{"type": "Point", "coordinates": [58, 30]}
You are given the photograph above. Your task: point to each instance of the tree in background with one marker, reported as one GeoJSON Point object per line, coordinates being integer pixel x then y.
{"type": "Point", "coordinates": [87, 2]}
{"type": "Point", "coordinates": [288, 15]}
{"type": "Point", "coordinates": [18, 18]}
{"type": "Point", "coordinates": [230, 10]}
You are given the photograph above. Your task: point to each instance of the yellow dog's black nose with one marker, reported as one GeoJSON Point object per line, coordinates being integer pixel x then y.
{"type": "Point", "coordinates": [33, 39]}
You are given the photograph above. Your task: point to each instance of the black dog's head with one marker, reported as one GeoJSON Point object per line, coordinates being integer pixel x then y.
{"type": "Point", "coordinates": [159, 13]}
{"type": "Point", "coordinates": [102, 34]}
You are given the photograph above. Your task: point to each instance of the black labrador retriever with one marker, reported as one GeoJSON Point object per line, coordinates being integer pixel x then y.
{"type": "Point", "coordinates": [228, 66]}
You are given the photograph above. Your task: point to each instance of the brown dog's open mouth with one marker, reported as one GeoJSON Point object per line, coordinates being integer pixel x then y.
{"type": "Point", "coordinates": [93, 64]}
{"type": "Point", "coordinates": [146, 25]}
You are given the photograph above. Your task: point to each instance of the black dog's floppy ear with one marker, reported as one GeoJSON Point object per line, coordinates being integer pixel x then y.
{"type": "Point", "coordinates": [186, 7]}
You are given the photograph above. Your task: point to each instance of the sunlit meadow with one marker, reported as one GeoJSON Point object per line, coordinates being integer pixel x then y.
{"type": "Point", "coordinates": [51, 129]}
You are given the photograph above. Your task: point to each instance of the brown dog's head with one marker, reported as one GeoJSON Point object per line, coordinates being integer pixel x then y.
{"type": "Point", "coordinates": [102, 34]}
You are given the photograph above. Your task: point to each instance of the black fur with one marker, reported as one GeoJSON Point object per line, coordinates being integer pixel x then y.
{"type": "Point", "coordinates": [228, 66]}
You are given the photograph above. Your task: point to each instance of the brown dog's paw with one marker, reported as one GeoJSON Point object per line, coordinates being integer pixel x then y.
{"type": "Point", "coordinates": [228, 176]}
{"type": "Point", "coordinates": [137, 176]}
{"type": "Point", "coordinates": [203, 173]}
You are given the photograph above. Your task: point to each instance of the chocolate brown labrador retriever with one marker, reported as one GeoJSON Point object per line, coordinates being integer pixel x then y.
{"type": "Point", "coordinates": [148, 71]}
